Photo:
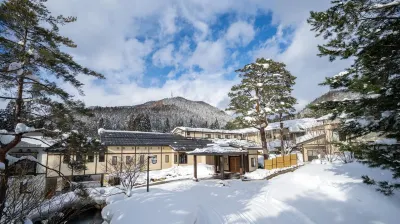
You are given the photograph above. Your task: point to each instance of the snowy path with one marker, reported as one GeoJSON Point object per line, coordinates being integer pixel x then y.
{"type": "Point", "coordinates": [312, 194]}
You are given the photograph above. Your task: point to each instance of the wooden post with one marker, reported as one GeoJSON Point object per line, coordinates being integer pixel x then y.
{"type": "Point", "coordinates": [241, 165]}
{"type": "Point", "coordinates": [215, 164]}
{"type": "Point", "coordinates": [195, 168]}
{"type": "Point", "coordinates": [102, 180]}
{"type": "Point", "coordinates": [221, 166]}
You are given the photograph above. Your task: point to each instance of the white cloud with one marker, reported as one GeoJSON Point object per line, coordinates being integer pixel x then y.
{"type": "Point", "coordinates": [164, 57]}
{"type": "Point", "coordinates": [302, 61]}
{"type": "Point", "coordinates": [240, 33]}
{"type": "Point", "coordinates": [108, 41]}
{"type": "Point", "coordinates": [209, 56]}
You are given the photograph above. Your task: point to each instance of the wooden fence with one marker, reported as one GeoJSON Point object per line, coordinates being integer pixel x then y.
{"type": "Point", "coordinates": [281, 162]}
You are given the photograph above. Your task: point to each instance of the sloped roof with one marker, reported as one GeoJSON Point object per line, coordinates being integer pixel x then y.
{"type": "Point", "coordinates": [218, 149]}
{"type": "Point", "coordinates": [133, 138]}
{"type": "Point", "coordinates": [309, 136]}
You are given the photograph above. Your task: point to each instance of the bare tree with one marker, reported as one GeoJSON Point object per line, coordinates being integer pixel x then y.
{"type": "Point", "coordinates": [26, 197]}
{"type": "Point", "coordinates": [124, 174]}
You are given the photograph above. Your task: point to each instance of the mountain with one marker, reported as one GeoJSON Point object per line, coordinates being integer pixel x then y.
{"type": "Point", "coordinates": [332, 95]}
{"type": "Point", "coordinates": [178, 110]}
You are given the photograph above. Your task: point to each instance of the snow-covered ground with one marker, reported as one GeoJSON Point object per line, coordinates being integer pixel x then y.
{"type": "Point", "coordinates": [315, 193]}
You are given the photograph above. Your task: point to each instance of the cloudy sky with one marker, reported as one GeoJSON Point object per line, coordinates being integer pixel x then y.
{"type": "Point", "coordinates": [151, 49]}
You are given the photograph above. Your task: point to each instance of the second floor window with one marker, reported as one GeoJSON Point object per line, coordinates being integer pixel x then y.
{"type": "Point", "coordinates": [208, 135]}
{"type": "Point", "coordinates": [227, 136]}
{"type": "Point", "coordinates": [114, 160]}
{"type": "Point", "coordinates": [188, 133]}
{"type": "Point", "coordinates": [101, 157]}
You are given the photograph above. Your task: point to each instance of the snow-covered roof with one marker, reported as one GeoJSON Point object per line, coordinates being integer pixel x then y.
{"type": "Point", "coordinates": [237, 143]}
{"type": "Point", "coordinates": [296, 125]}
{"type": "Point", "coordinates": [218, 149]}
{"type": "Point", "coordinates": [274, 145]}
{"type": "Point", "coordinates": [309, 136]}
{"type": "Point", "coordinates": [236, 131]}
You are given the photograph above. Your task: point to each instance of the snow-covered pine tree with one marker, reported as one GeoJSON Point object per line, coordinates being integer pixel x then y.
{"type": "Point", "coordinates": [216, 124]}
{"type": "Point", "coordinates": [167, 127]}
{"type": "Point", "coordinates": [265, 90]}
{"type": "Point", "coordinates": [30, 60]}
{"type": "Point", "coordinates": [191, 123]}
{"type": "Point", "coordinates": [368, 32]}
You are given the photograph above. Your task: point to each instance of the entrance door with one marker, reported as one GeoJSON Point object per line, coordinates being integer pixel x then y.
{"type": "Point", "coordinates": [234, 164]}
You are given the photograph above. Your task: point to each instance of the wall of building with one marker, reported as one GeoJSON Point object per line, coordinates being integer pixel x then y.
{"type": "Point", "coordinates": [253, 155]}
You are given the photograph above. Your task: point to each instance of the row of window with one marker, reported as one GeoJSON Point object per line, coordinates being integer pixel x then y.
{"type": "Point", "coordinates": [145, 147]}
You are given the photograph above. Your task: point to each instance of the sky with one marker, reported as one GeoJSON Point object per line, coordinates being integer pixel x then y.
{"type": "Point", "coordinates": [155, 49]}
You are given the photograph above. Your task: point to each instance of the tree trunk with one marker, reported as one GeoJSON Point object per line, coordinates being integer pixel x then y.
{"type": "Point", "coordinates": [3, 186]}
{"type": "Point", "coordinates": [281, 133]}
{"type": "Point", "coordinates": [264, 141]}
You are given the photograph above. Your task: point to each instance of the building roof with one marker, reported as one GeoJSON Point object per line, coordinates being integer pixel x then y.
{"type": "Point", "coordinates": [296, 125]}
{"type": "Point", "coordinates": [309, 136]}
{"type": "Point", "coordinates": [134, 138]}
{"type": "Point", "coordinates": [219, 149]}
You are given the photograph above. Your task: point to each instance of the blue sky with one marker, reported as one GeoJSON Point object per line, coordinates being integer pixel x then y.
{"type": "Point", "coordinates": [190, 48]}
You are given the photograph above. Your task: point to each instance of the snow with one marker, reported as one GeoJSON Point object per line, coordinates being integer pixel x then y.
{"type": "Point", "coordinates": [237, 143]}
{"type": "Point", "coordinates": [101, 131]}
{"type": "Point", "coordinates": [217, 149]}
{"type": "Point", "coordinates": [2, 166]}
{"type": "Point", "coordinates": [386, 141]}
{"type": "Point", "coordinates": [12, 159]}
{"type": "Point", "coordinates": [267, 109]}
{"type": "Point", "coordinates": [390, 4]}
{"type": "Point", "coordinates": [28, 221]}
{"type": "Point", "coordinates": [309, 136]}
{"type": "Point", "coordinates": [296, 124]}
{"type": "Point", "coordinates": [314, 193]}
{"type": "Point", "coordinates": [261, 174]}
{"type": "Point", "coordinates": [5, 139]}
{"type": "Point", "coordinates": [22, 128]}
{"type": "Point", "coordinates": [14, 66]}
{"type": "Point", "coordinates": [260, 84]}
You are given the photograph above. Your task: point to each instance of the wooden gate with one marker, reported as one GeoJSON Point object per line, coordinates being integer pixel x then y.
{"type": "Point", "coordinates": [234, 164]}
{"type": "Point", "coordinates": [281, 162]}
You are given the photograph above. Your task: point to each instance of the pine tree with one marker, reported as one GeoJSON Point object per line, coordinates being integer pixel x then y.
{"type": "Point", "coordinates": [368, 32]}
{"type": "Point", "coordinates": [167, 127]}
{"type": "Point", "coordinates": [131, 125]}
{"type": "Point", "coordinates": [30, 60]}
{"type": "Point", "coordinates": [265, 90]}
{"type": "Point", "coordinates": [216, 124]}
{"type": "Point", "coordinates": [191, 123]}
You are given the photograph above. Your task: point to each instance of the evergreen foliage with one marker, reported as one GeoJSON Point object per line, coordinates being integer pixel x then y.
{"type": "Point", "coordinates": [167, 127]}
{"type": "Point", "coordinates": [367, 31]}
{"type": "Point", "coordinates": [264, 91]}
{"type": "Point", "coordinates": [31, 59]}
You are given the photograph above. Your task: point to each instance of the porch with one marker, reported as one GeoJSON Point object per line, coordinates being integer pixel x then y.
{"type": "Point", "coordinates": [228, 160]}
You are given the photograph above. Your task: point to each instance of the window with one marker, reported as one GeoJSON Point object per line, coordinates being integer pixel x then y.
{"type": "Point", "coordinates": [253, 162]}
{"type": "Point", "coordinates": [342, 136]}
{"type": "Point", "coordinates": [90, 158]}
{"type": "Point", "coordinates": [175, 158]}
{"type": "Point", "coordinates": [155, 157]}
{"type": "Point", "coordinates": [114, 160]}
{"type": "Point", "coordinates": [66, 158]}
{"type": "Point", "coordinates": [128, 159]}
{"type": "Point", "coordinates": [79, 157]}
{"type": "Point", "coordinates": [141, 159]}
{"type": "Point", "coordinates": [101, 157]}
{"type": "Point", "coordinates": [183, 158]}
{"type": "Point", "coordinates": [235, 136]}
{"type": "Point", "coordinates": [188, 133]}
{"type": "Point", "coordinates": [122, 147]}
{"type": "Point", "coordinates": [227, 136]}
{"type": "Point", "coordinates": [208, 135]}
{"type": "Point", "coordinates": [23, 187]}
{"type": "Point", "coordinates": [150, 147]}
{"type": "Point", "coordinates": [219, 136]}
{"type": "Point", "coordinates": [117, 147]}
{"type": "Point", "coordinates": [167, 158]}
{"type": "Point", "coordinates": [284, 137]}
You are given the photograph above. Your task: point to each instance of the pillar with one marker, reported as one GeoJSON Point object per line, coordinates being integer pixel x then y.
{"type": "Point", "coordinates": [241, 165]}
{"type": "Point", "coordinates": [221, 166]}
{"type": "Point", "coordinates": [195, 168]}
{"type": "Point", "coordinates": [102, 180]}
{"type": "Point", "coordinates": [215, 164]}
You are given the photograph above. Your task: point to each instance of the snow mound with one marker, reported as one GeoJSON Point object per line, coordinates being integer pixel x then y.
{"type": "Point", "coordinates": [4, 138]}
{"type": "Point", "coordinates": [22, 128]}
{"type": "Point", "coordinates": [101, 131]}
